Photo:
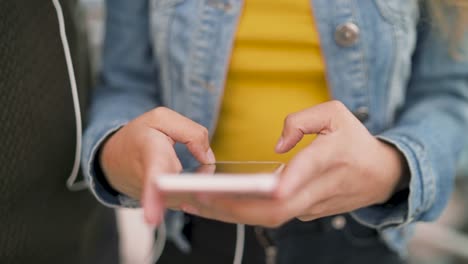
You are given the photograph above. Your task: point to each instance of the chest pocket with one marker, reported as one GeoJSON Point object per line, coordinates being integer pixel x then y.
{"type": "Point", "coordinates": [402, 13]}
{"type": "Point", "coordinates": [402, 16]}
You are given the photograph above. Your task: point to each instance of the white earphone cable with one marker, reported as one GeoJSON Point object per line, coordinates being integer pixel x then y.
{"type": "Point", "coordinates": [71, 184]}
{"type": "Point", "coordinates": [76, 186]}
{"type": "Point", "coordinates": [159, 244]}
{"type": "Point", "coordinates": [240, 240]}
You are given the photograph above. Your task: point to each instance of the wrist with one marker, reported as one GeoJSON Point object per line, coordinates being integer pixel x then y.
{"type": "Point", "coordinates": [395, 170]}
{"type": "Point", "coordinates": [104, 155]}
{"type": "Point", "coordinates": [112, 171]}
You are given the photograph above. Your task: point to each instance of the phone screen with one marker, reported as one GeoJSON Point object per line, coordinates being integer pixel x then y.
{"type": "Point", "coordinates": [238, 168]}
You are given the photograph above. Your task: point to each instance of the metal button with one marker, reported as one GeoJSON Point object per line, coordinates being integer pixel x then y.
{"type": "Point", "coordinates": [347, 34]}
{"type": "Point", "coordinates": [338, 222]}
{"type": "Point", "coordinates": [362, 113]}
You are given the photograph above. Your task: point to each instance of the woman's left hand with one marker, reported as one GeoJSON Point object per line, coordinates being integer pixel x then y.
{"type": "Point", "coordinates": [343, 169]}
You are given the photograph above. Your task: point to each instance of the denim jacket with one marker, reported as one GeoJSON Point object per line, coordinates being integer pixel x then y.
{"type": "Point", "coordinates": [383, 61]}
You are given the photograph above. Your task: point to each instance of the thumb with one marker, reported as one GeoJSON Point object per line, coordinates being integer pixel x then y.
{"type": "Point", "coordinates": [152, 203]}
{"type": "Point", "coordinates": [315, 120]}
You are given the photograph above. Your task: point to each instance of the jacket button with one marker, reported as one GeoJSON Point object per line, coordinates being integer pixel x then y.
{"type": "Point", "coordinates": [362, 113]}
{"type": "Point", "coordinates": [347, 34]}
{"type": "Point", "coordinates": [338, 222]}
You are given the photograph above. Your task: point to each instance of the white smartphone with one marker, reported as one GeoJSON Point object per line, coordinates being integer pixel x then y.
{"type": "Point", "coordinates": [253, 177]}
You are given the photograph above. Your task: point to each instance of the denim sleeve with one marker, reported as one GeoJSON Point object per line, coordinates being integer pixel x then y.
{"type": "Point", "coordinates": [429, 132]}
{"type": "Point", "coordinates": [126, 88]}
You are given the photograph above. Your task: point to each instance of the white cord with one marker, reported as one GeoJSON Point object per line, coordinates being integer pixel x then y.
{"type": "Point", "coordinates": [76, 104]}
{"type": "Point", "coordinates": [240, 238]}
{"type": "Point", "coordinates": [159, 244]}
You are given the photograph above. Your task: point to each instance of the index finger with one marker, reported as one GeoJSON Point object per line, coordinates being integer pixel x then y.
{"type": "Point", "coordinates": [319, 119]}
{"type": "Point", "coordinates": [183, 130]}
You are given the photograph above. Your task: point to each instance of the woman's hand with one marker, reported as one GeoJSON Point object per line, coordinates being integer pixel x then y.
{"type": "Point", "coordinates": [343, 169]}
{"type": "Point", "coordinates": [145, 148]}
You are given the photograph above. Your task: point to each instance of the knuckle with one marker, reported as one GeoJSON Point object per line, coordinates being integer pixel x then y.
{"type": "Point", "coordinates": [204, 132]}
{"type": "Point", "coordinates": [290, 120]}
{"type": "Point", "coordinates": [338, 107]}
{"type": "Point", "coordinates": [201, 134]}
{"type": "Point", "coordinates": [159, 111]}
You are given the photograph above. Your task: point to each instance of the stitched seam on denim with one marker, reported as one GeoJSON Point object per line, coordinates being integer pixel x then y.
{"type": "Point", "coordinates": [160, 45]}
{"type": "Point", "coordinates": [391, 15]}
{"type": "Point", "coordinates": [113, 126]}
{"type": "Point", "coordinates": [426, 174]}
{"type": "Point", "coordinates": [402, 146]}
{"type": "Point", "coordinates": [396, 221]}
{"type": "Point", "coordinates": [392, 81]}
{"type": "Point", "coordinates": [200, 45]}
{"type": "Point", "coordinates": [364, 65]}
{"type": "Point", "coordinates": [226, 61]}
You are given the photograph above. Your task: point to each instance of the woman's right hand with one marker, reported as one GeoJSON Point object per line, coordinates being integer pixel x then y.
{"type": "Point", "coordinates": [144, 148]}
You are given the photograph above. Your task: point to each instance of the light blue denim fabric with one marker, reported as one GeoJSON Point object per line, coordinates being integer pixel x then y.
{"type": "Point", "coordinates": [176, 53]}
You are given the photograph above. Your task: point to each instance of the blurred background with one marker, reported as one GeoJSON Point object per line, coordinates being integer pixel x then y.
{"type": "Point", "coordinates": [442, 242]}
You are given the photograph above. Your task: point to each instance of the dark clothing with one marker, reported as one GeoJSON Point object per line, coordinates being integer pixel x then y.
{"type": "Point", "coordinates": [317, 242]}
{"type": "Point", "coordinates": [41, 221]}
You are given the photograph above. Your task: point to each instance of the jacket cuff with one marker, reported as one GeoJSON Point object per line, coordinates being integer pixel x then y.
{"type": "Point", "coordinates": [94, 175]}
{"type": "Point", "coordinates": [406, 206]}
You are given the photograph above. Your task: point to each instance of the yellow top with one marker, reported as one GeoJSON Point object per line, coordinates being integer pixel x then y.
{"type": "Point", "coordinates": [276, 68]}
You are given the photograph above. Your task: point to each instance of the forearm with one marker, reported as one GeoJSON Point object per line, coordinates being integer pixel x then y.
{"type": "Point", "coordinates": [127, 87]}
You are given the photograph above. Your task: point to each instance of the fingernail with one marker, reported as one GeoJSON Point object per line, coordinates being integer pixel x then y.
{"type": "Point", "coordinates": [210, 156]}
{"type": "Point", "coordinates": [189, 209]}
{"type": "Point", "coordinates": [279, 145]}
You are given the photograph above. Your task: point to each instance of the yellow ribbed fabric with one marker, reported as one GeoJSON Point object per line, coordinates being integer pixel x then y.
{"type": "Point", "coordinates": [276, 68]}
